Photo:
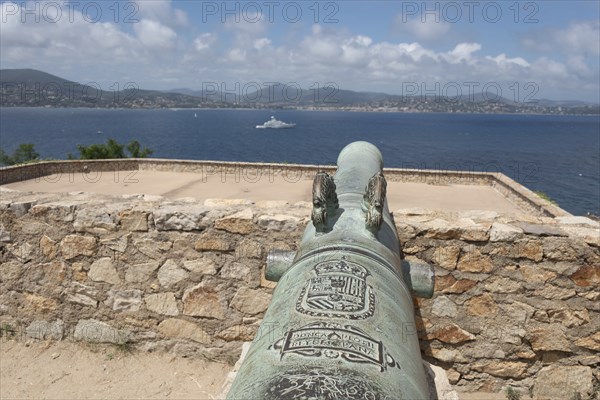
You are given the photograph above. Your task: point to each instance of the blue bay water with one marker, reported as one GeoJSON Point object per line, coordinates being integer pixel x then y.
{"type": "Point", "coordinates": [559, 155]}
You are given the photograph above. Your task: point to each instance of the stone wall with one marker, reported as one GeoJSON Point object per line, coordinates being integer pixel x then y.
{"type": "Point", "coordinates": [516, 301]}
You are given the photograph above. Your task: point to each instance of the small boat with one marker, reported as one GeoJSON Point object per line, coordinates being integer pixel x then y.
{"type": "Point", "coordinates": [275, 124]}
{"type": "Point", "coordinates": [195, 115]}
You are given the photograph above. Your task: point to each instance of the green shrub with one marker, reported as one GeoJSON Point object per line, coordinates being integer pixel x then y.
{"type": "Point", "coordinates": [112, 149]}
{"type": "Point", "coordinates": [512, 394]}
{"type": "Point", "coordinates": [25, 153]}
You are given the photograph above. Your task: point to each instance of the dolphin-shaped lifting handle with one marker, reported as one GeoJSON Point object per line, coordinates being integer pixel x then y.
{"type": "Point", "coordinates": [374, 200]}
{"type": "Point", "coordinates": [325, 200]}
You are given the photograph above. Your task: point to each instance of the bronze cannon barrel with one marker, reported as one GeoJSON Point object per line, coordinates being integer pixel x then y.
{"type": "Point", "coordinates": [341, 323]}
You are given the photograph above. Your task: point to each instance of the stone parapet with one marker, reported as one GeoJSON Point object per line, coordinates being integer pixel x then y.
{"type": "Point", "coordinates": [515, 192]}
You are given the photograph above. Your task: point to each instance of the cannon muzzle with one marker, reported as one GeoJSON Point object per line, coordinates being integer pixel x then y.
{"type": "Point", "coordinates": [341, 323]}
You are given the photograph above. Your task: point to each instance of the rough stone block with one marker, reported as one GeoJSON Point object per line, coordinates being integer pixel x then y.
{"type": "Point", "coordinates": [474, 261]}
{"type": "Point", "coordinates": [446, 256]}
{"type": "Point", "coordinates": [63, 210]}
{"type": "Point", "coordinates": [451, 333]}
{"type": "Point", "coordinates": [482, 306]}
{"type": "Point", "coordinates": [48, 247]}
{"type": "Point", "coordinates": [570, 318]}
{"type": "Point", "coordinates": [591, 342]}
{"type": "Point", "coordinates": [204, 266]}
{"type": "Point", "coordinates": [589, 235]}
{"type": "Point", "coordinates": [539, 229]}
{"type": "Point", "coordinates": [587, 275]}
{"type": "Point", "coordinates": [535, 274]}
{"type": "Point", "coordinates": [152, 247]}
{"type": "Point", "coordinates": [248, 248]}
{"type": "Point", "coordinates": [552, 292]}
{"type": "Point", "coordinates": [54, 273]}
{"type": "Point", "coordinates": [44, 330]}
{"type": "Point", "coordinates": [74, 245]}
{"type": "Point", "coordinates": [133, 221]}
{"type": "Point", "coordinates": [180, 218]}
{"type": "Point", "coordinates": [103, 270]}
{"type": "Point", "coordinates": [20, 208]}
{"type": "Point", "coordinates": [444, 307]}
{"type": "Point", "coordinates": [39, 305]}
{"type": "Point", "coordinates": [238, 333]}
{"type": "Point", "coordinates": [502, 369]}
{"type": "Point", "coordinates": [162, 303]}
{"type": "Point", "coordinates": [279, 222]}
{"type": "Point", "coordinates": [212, 241]}
{"type": "Point", "coordinates": [140, 273]}
{"type": "Point", "coordinates": [250, 301]}
{"type": "Point", "coordinates": [240, 222]}
{"type": "Point", "coordinates": [97, 219]}
{"type": "Point", "coordinates": [124, 300]}
{"type": "Point", "coordinates": [91, 330]}
{"type": "Point", "coordinates": [181, 329]}
{"type": "Point", "coordinates": [23, 252]}
{"type": "Point", "coordinates": [204, 300]}
{"type": "Point", "coordinates": [504, 233]}
{"type": "Point", "coordinates": [170, 274]}
{"type": "Point", "coordinates": [116, 243]}
{"type": "Point", "coordinates": [502, 285]}
{"type": "Point", "coordinates": [446, 355]}
{"type": "Point", "coordinates": [245, 271]}
{"type": "Point", "coordinates": [548, 338]}
{"type": "Point", "coordinates": [563, 382]}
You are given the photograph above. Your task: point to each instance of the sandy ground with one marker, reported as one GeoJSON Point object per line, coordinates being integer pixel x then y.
{"type": "Point", "coordinates": [202, 186]}
{"type": "Point", "coordinates": [82, 371]}
{"type": "Point", "coordinates": [67, 370]}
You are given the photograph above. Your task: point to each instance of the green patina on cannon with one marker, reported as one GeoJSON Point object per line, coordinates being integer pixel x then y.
{"type": "Point", "coordinates": [341, 323]}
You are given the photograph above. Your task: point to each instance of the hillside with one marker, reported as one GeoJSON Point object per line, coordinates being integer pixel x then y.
{"type": "Point", "coordinates": [34, 88]}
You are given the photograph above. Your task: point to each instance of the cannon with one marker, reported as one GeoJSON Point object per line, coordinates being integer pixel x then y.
{"type": "Point", "coordinates": [341, 323]}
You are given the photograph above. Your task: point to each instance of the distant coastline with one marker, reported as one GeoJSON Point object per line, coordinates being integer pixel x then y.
{"type": "Point", "coordinates": [321, 109]}
{"type": "Point", "coordinates": [38, 89]}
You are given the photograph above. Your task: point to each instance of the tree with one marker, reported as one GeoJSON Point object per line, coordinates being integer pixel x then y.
{"type": "Point", "coordinates": [112, 149]}
{"type": "Point", "coordinates": [136, 151]}
{"type": "Point", "coordinates": [23, 154]}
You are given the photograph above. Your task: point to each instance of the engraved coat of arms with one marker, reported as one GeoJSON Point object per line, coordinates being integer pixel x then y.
{"type": "Point", "coordinates": [338, 289]}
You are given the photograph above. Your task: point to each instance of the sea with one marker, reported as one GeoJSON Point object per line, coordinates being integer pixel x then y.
{"type": "Point", "coordinates": [558, 155]}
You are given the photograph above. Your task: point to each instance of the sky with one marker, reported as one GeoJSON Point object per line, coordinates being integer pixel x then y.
{"type": "Point", "coordinates": [522, 50]}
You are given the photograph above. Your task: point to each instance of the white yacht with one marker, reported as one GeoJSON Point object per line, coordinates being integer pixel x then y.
{"type": "Point", "coordinates": [274, 123]}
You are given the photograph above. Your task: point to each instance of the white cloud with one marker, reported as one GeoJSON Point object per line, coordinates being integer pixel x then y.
{"type": "Point", "coordinates": [236, 55]}
{"type": "Point", "coordinates": [162, 11]}
{"type": "Point", "coordinates": [579, 38]}
{"type": "Point", "coordinates": [463, 52]}
{"type": "Point", "coordinates": [154, 34]}
{"type": "Point", "coordinates": [261, 43]}
{"type": "Point", "coordinates": [546, 67]}
{"type": "Point", "coordinates": [505, 62]}
{"type": "Point", "coordinates": [204, 41]}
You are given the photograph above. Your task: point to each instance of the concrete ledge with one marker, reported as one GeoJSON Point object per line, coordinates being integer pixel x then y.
{"type": "Point", "coordinates": [510, 189]}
